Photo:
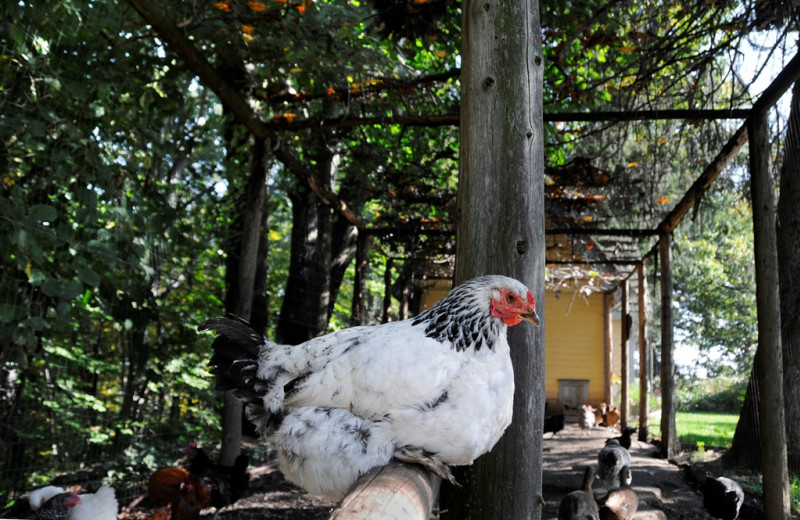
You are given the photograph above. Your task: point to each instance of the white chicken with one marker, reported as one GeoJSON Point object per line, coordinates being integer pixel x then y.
{"type": "Point", "coordinates": [436, 389]}
{"type": "Point", "coordinates": [101, 505]}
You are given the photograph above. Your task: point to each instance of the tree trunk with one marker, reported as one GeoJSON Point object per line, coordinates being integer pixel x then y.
{"type": "Point", "coordinates": [745, 451]}
{"type": "Point", "coordinates": [304, 312]}
{"type": "Point", "coordinates": [789, 272]}
{"type": "Point", "coordinates": [500, 219]}
{"type": "Point", "coordinates": [246, 271]}
{"type": "Point", "coordinates": [769, 357]}
{"type": "Point", "coordinates": [669, 438]}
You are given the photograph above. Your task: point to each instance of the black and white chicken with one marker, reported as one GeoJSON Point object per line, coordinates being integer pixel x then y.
{"type": "Point", "coordinates": [49, 506]}
{"type": "Point", "coordinates": [100, 505]}
{"type": "Point", "coordinates": [436, 389]}
{"type": "Point", "coordinates": [610, 461]}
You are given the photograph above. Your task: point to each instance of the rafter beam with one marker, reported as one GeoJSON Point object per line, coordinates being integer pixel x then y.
{"type": "Point", "coordinates": [631, 261]}
{"type": "Point", "coordinates": [602, 232]}
{"type": "Point", "coordinates": [647, 115]}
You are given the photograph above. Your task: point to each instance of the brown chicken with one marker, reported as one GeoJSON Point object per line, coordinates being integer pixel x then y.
{"type": "Point", "coordinates": [183, 494]}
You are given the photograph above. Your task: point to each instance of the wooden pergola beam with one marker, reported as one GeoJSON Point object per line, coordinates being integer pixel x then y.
{"type": "Point", "coordinates": [647, 115]}
{"type": "Point", "coordinates": [635, 261]}
{"type": "Point", "coordinates": [453, 119]}
{"type": "Point", "coordinates": [621, 232]}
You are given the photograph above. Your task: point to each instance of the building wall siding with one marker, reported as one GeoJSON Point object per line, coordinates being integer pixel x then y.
{"type": "Point", "coordinates": [574, 339]}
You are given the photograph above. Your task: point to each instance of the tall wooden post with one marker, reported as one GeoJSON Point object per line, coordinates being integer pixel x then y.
{"type": "Point", "coordinates": [608, 344]}
{"type": "Point", "coordinates": [669, 437]}
{"type": "Point", "coordinates": [769, 356]}
{"type": "Point", "coordinates": [645, 358]}
{"type": "Point", "coordinates": [500, 229]}
{"type": "Point", "coordinates": [624, 363]}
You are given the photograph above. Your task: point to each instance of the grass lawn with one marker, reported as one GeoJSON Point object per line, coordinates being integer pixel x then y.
{"type": "Point", "coordinates": [710, 429]}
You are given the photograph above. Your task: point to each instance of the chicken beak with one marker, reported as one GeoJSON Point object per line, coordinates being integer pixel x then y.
{"type": "Point", "coordinates": [531, 317]}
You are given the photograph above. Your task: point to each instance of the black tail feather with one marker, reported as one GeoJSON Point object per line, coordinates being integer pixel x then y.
{"type": "Point", "coordinates": [235, 366]}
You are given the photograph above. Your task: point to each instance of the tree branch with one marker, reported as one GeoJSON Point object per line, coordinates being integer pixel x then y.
{"type": "Point", "coordinates": [195, 61]}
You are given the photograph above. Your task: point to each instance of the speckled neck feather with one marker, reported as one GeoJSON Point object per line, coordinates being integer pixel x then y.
{"type": "Point", "coordinates": [463, 317]}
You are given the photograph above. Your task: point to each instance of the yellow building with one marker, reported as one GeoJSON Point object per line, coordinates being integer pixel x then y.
{"type": "Point", "coordinates": [577, 356]}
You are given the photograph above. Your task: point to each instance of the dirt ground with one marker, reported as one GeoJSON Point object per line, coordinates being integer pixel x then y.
{"type": "Point", "coordinates": [662, 490]}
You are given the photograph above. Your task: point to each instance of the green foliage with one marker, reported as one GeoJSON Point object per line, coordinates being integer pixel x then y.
{"type": "Point", "coordinates": [633, 396]}
{"type": "Point", "coordinates": [718, 394]}
{"type": "Point", "coordinates": [715, 284]}
{"type": "Point", "coordinates": [102, 214]}
{"type": "Point", "coordinates": [695, 428]}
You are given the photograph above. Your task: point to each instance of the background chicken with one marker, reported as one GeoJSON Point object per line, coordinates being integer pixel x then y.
{"type": "Point", "coordinates": [610, 461]}
{"type": "Point", "coordinates": [436, 389]}
{"type": "Point", "coordinates": [580, 504]}
{"type": "Point", "coordinates": [101, 505]}
{"type": "Point", "coordinates": [182, 494]}
{"type": "Point", "coordinates": [620, 503]}
{"type": "Point", "coordinates": [57, 507]}
{"type": "Point", "coordinates": [624, 440]}
{"type": "Point", "coordinates": [586, 417]}
{"type": "Point", "coordinates": [226, 484]}
{"type": "Point", "coordinates": [722, 497]}
{"type": "Point", "coordinates": [554, 423]}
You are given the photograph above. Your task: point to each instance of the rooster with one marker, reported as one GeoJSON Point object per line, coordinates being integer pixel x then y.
{"type": "Point", "coordinates": [101, 505]}
{"type": "Point", "coordinates": [181, 494]}
{"type": "Point", "coordinates": [436, 389]}
{"type": "Point", "coordinates": [225, 483]}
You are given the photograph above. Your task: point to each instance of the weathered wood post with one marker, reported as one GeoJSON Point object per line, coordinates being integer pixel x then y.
{"type": "Point", "coordinates": [769, 357]}
{"type": "Point", "coordinates": [669, 437]}
{"type": "Point", "coordinates": [608, 345]}
{"type": "Point", "coordinates": [500, 229]}
{"type": "Point", "coordinates": [645, 358]}
{"type": "Point", "coordinates": [624, 362]}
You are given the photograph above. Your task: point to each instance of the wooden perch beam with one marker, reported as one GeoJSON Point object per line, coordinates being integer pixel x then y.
{"type": "Point", "coordinates": [453, 119]}
{"type": "Point", "coordinates": [394, 492]}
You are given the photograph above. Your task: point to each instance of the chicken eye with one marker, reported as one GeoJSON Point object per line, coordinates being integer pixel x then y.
{"type": "Point", "coordinates": [509, 298]}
